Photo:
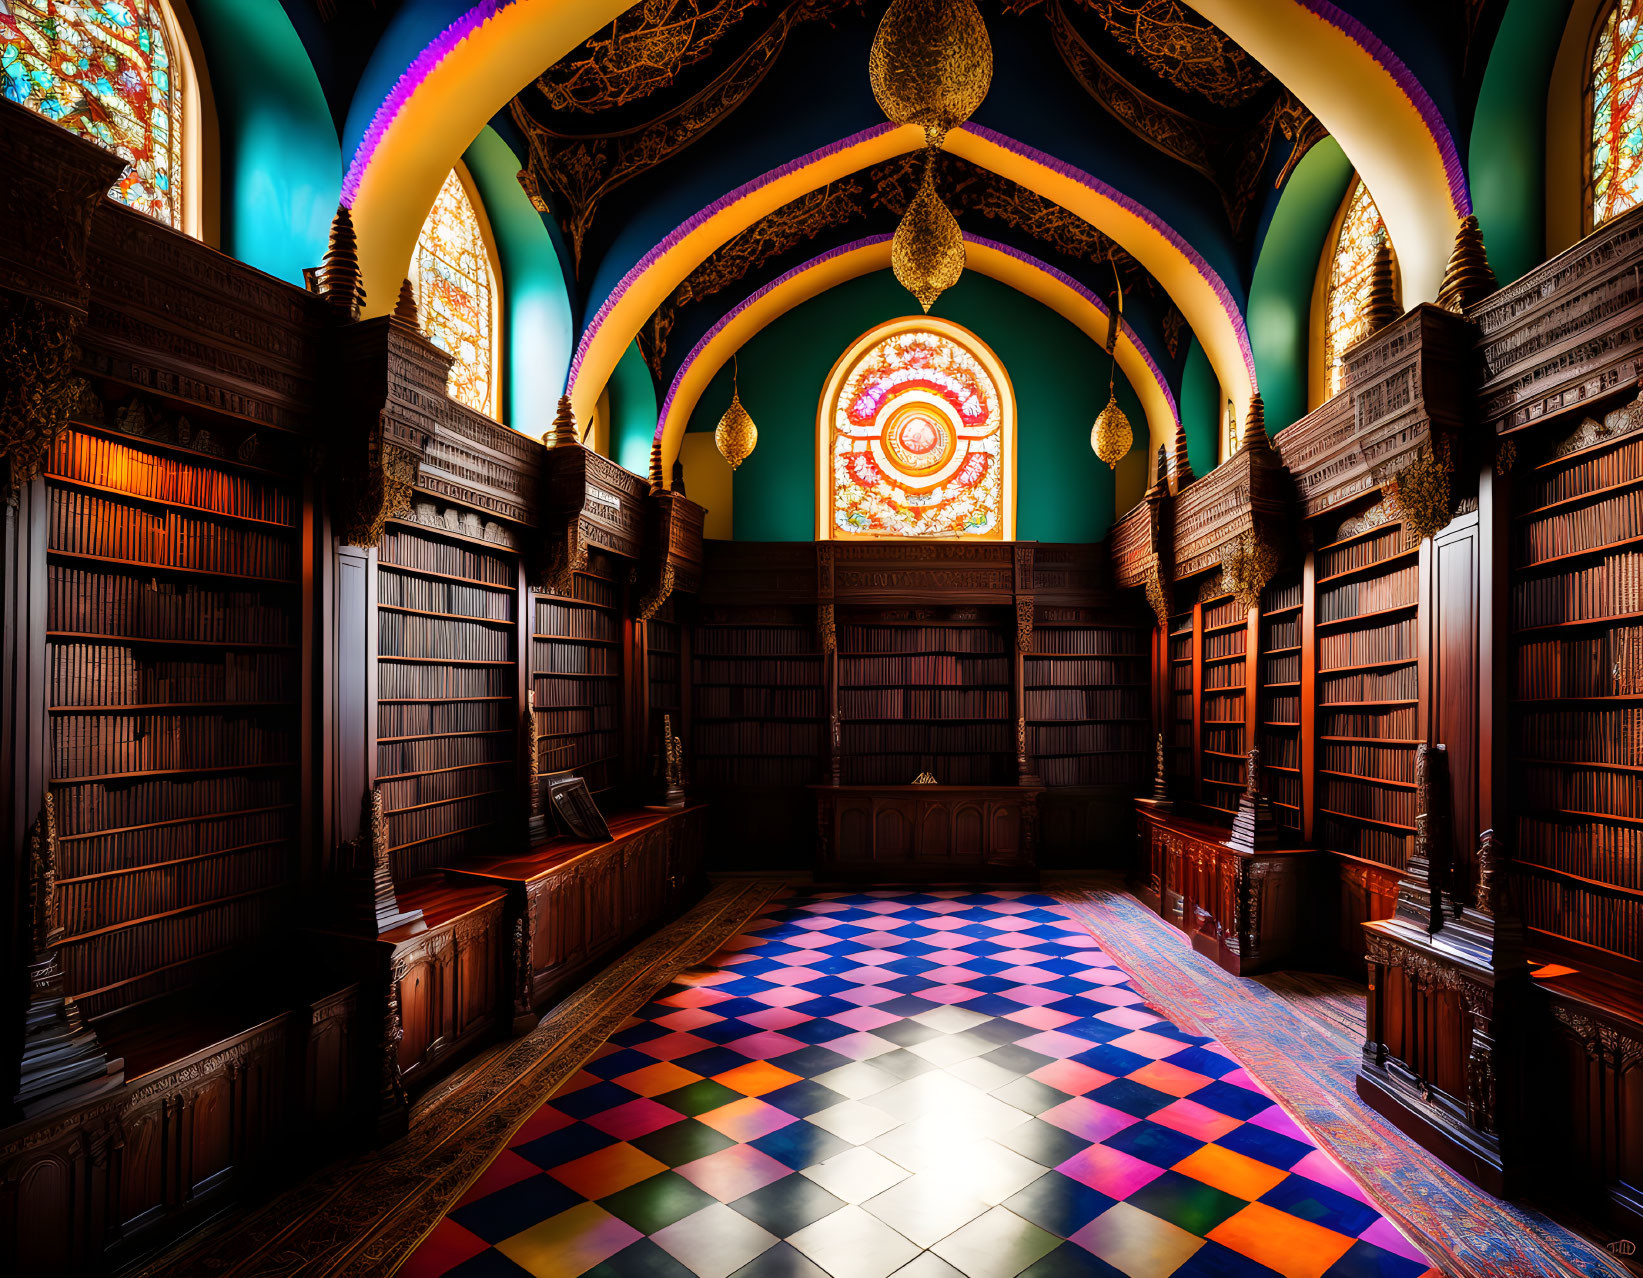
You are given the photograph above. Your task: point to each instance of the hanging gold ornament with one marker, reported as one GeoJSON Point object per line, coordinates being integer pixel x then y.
{"type": "Point", "coordinates": [736, 436]}
{"type": "Point", "coordinates": [1111, 437]}
{"type": "Point", "coordinates": [931, 64]}
{"type": "Point", "coordinates": [927, 251]}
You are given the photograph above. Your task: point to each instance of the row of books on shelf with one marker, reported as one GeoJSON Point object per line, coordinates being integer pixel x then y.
{"type": "Point", "coordinates": [1087, 738]}
{"type": "Point", "coordinates": [758, 703]}
{"type": "Point", "coordinates": [1386, 762]}
{"type": "Point", "coordinates": [912, 703]}
{"type": "Point", "coordinates": [663, 667]}
{"type": "Point", "coordinates": [1595, 790]}
{"type": "Point", "coordinates": [1610, 587]}
{"type": "Point", "coordinates": [557, 619]}
{"type": "Point", "coordinates": [788, 673]}
{"type": "Point", "coordinates": [1095, 769]}
{"type": "Point", "coordinates": [1074, 704]}
{"type": "Point", "coordinates": [1224, 612]}
{"type": "Point", "coordinates": [1224, 740]}
{"type": "Point", "coordinates": [155, 951]}
{"type": "Point", "coordinates": [1362, 553]}
{"type": "Point", "coordinates": [1396, 589]}
{"type": "Point", "coordinates": [1281, 632]}
{"type": "Point", "coordinates": [1181, 680]}
{"type": "Point", "coordinates": [435, 594]}
{"type": "Point", "coordinates": [1392, 642]}
{"type": "Point", "coordinates": [1224, 772]}
{"type": "Point", "coordinates": [570, 694]}
{"type": "Point", "coordinates": [753, 738]}
{"type": "Point", "coordinates": [408, 634]}
{"type": "Point", "coordinates": [86, 905]}
{"type": "Point", "coordinates": [86, 524]}
{"type": "Point", "coordinates": [1044, 672]}
{"type": "Point", "coordinates": [180, 841]}
{"type": "Point", "coordinates": [1583, 736]}
{"type": "Point", "coordinates": [87, 601]}
{"type": "Point", "coordinates": [1370, 685]}
{"type": "Point", "coordinates": [1606, 664]}
{"type": "Point", "coordinates": [579, 753]}
{"type": "Point", "coordinates": [1226, 643]}
{"type": "Point", "coordinates": [1281, 669]}
{"type": "Point", "coordinates": [1371, 843]}
{"type": "Point", "coordinates": [407, 550]}
{"type": "Point", "coordinates": [94, 745]}
{"type": "Point", "coordinates": [91, 806]}
{"type": "Point", "coordinates": [1281, 707]}
{"type": "Point", "coordinates": [900, 769]}
{"type": "Point", "coordinates": [569, 720]}
{"type": "Point", "coordinates": [407, 681]}
{"type": "Point", "coordinates": [1366, 799]}
{"type": "Point", "coordinates": [1088, 641]}
{"type": "Point", "coordinates": [428, 718]}
{"type": "Point", "coordinates": [430, 755]}
{"type": "Point", "coordinates": [1588, 849]}
{"type": "Point", "coordinates": [588, 588]}
{"type": "Point", "coordinates": [925, 738]}
{"type": "Point", "coordinates": [1226, 707]}
{"type": "Point", "coordinates": [1285, 789]}
{"type": "Point", "coordinates": [1275, 598]}
{"type": "Point", "coordinates": [1576, 478]}
{"type": "Point", "coordinates": [1219, 678]}
{"type": "Point", "coordinates": [909, 639]}
{"type": "Point", "coordinates": [754, 641]}
{"type": "Point", "coordinates": [574, 658]}
{"type": "Point", "coordinates": [436, 787]}
{"type": "Point", "coordinates": [417, 825]}
{"type": "Point", "coordinates": [1398, 723]}
{"type": "Point", "coordinates": [948, 671]}
{"type": "Point", "coordinates": [102, 674]}
{"type": "Point", "coordinates": [1611, 921]}
{"type": "Point", "coordinates": [1568, 532]}
{"type": "Point", "coordinates": [108, 463]}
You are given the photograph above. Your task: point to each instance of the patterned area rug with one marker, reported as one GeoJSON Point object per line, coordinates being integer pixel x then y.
{"type": "Point", "coordinates": [1291, 1033]}
{"type": "Point", "coordinates": [918, 1083]}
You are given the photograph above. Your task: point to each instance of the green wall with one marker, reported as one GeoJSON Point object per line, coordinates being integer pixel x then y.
{"type": "Point", "coordinates": [536, 317]}
{"type": "Point", "coordinates": [1201, 409]}
{"type": "Point", "coordinates": [633, 411]}
{"type": "Point", "coordinates": [1064, 493]}
{"type": "Point", "coordinates": [1506, 160]}
{"type": "Point", "coordinates": [1280, 294]}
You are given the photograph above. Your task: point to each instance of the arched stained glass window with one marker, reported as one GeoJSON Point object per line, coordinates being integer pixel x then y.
{"type": "Point", "coordinates": [456, 292]}
{"type": "Point", "coordinates": [1361, 236]}
{"type": "Point", "coordinates": [917, 437]}
{"type": "Point", "coordinates": [114, 71]}
{"type": "Point", "coordinates": [1615, 172]}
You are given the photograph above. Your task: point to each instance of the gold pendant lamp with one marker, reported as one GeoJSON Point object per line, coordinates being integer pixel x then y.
{"type": "Point", "coordinates": [736, 436]}
{"type": "Point", "coordinates": [1112, 437]}
{"type": "Point", "coordinates": [930, 65]}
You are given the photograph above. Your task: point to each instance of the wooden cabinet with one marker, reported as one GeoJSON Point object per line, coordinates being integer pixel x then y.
{"type": "Point", "coordinates": [927, 833]}
{"type": "Point", "coordinates": [1249, 911]}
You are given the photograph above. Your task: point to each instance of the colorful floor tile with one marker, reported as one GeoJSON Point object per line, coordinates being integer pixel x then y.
{"type": "Point", "coordinates": [916, 1083]}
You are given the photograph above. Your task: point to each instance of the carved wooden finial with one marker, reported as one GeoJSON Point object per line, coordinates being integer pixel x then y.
{"type": "Point", "coordinates": [656, 484]}
{"type": "Point", "coordinates": [1183, 464]}
{"type": "Point", "coordinates": [1253, 826]}
{"type": "Point", "coordinates": [340, 281]}
{"type": "Point", "coordinates": [679, 476]}
{"type": "Point", "coordinates": [1468, 277]}
{"type": "Point", "coordinates": [563, 433]}
{"type": "Point", "coordinates": [405, 311]}
{"type": "Point", "coordinates": [1160, 483]}
{"type": "Point", "coordinates": [1255, 437]}
{"type": "Point", "coordinates": [1381, 306]}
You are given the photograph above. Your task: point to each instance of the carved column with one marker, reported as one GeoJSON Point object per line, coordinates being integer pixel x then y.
{"type": "Point", "coordinates": [55, 184]}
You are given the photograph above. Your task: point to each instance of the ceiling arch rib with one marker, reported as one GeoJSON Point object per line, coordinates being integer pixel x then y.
{"type": "Point", "coordinates": [1021, 271]}
{"type": "Point", "coordinates": [1191, 284]}
{"type": "Point", "coordinates": [1385, 121]}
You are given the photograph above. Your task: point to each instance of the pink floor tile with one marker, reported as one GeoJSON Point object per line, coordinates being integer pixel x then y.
{"type": "Point", "coordinates": [636, 1118]}
{"type": "Point", "coordinates": [1087, 1118]}
{"type": "Point", "coordinates": [1113, 1172]}
{"type": "Point", "coordinates": [1192, 1119]}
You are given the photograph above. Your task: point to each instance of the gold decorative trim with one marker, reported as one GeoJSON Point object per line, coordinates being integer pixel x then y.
{"type": "Point", "coordinates": [38, 388]}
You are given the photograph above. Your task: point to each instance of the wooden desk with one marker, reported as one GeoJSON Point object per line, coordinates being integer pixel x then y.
{"type": "Point", "coordinates": [570, 903]}
{"type": "Point", "coordinates": [927, 833]}
{"type": "Point", "coordinates": [1245, 910]}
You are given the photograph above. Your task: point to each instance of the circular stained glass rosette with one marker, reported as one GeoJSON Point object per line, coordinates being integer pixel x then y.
{"type": "Point", "coordinates": [917, 442]}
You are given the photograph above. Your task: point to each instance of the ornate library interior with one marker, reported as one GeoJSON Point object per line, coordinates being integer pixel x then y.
{"type": "Point", "coordinates": [821, 638]}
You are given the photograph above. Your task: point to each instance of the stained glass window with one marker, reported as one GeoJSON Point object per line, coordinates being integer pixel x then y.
{"type": "Point", "coordinates": [917, 432]}
{"type": "Point", "coordinates": [1616, 171]}
{"type": "Point", "coordinates": [456, 293]}
{"type": "Point", "coordinates": [1362, 234]}
{"type": "Point", "coordinates": [111, 71]}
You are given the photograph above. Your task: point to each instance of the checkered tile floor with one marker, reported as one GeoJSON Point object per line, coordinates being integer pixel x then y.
{"type": "Point", "coordinates": [928, 1084]}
